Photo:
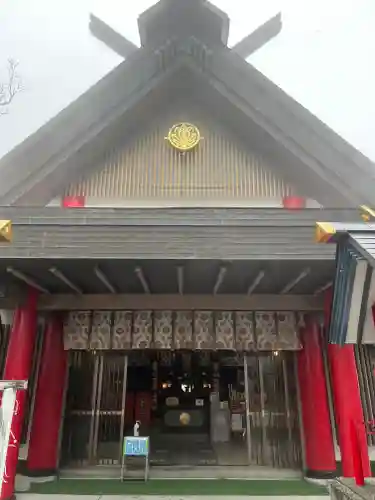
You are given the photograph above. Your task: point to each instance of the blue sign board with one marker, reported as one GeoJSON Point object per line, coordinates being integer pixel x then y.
{"type": "Point", "coordinates": [136, 446]}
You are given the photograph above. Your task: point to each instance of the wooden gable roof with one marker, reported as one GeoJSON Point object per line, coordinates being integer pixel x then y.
{"type": "Point", "coordinates": [311, 155]}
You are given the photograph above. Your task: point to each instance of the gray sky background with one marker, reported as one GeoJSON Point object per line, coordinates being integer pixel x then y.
{"type": "Point", "coordinates": [324, 57]}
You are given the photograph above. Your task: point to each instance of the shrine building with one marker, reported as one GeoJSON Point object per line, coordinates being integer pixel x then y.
{"type": "Point", "coordinates": [162, 267]}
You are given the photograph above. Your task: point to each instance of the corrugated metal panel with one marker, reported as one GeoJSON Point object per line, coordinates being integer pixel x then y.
{"type": "Point", "coordinates": [346, 263]}
{"type": "Point", "coordinates": [168, 233]}
{"type": "Point", "coordinates": [266, 217]}
{"type": "Point", "coordinates": [365, 243]}
{"type": "Point", "coordinates": [367, 320]}
{"type": "Point", "coordinates": [149, 168]}
{"type": "Point", "coordinates": [355, 322]}
{"type": "Point", "coordinates": [166, 242]}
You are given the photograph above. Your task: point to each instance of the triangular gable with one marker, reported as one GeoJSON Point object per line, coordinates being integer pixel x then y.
{"type": "Point", "coordinates": [147, 171]}
{"type": "Point", "coordinates": [309, 152]}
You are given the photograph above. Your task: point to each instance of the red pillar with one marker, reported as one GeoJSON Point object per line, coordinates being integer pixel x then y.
{"type": "Point", "coordinates": [44, 436]}
{"type": "Point", "coordinates": [317, 430]}
{"type": "Point", "coordinates": [347, 402]}
{"type": "Point", "coordinates": [348, 407]}
{"type": "Point", "coordinates": [17, 367]}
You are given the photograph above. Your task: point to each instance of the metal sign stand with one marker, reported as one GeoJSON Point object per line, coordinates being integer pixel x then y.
{"type": "Point", "coordinates": [136, 447]}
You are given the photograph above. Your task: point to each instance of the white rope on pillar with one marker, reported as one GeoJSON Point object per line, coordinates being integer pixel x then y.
{"type": "Point", "coordinates": [8, 408]}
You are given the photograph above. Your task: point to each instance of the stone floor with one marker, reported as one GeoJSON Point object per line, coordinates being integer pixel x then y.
{"type": "Point", "coordinates": [34, 496]}
{"type": "Point", "coordinates": [348, 488]}
{"type": "Point", "coordinates": [189, 450]}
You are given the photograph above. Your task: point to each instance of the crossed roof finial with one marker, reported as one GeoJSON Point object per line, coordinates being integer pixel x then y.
{"type": "Point", "coordinates": [124, 47]}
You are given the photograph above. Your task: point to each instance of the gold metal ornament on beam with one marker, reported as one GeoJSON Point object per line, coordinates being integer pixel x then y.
{"type": "Point", "coordinates": [5, 231]}
{"type": "Point", "coordinates": [367, 213]}
{"type": "Point", "coordinates": [324, 231]}
{"type": "Point", "coordinates": [184, 136]}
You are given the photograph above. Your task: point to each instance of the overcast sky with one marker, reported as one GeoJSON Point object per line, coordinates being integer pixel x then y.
{"type": "Point", "coordinates": [323, 58]}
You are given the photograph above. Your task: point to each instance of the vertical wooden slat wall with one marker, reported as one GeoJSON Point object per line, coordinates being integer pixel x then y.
{"type": "Point", "coordinates": [149, 168]}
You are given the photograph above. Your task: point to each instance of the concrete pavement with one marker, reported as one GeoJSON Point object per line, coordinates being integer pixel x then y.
{"type": "Point", "coordinates": [35, 496]}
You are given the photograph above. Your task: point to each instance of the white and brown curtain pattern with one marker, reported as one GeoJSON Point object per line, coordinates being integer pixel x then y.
{"type": "Point", "coordinates": [194, 330]}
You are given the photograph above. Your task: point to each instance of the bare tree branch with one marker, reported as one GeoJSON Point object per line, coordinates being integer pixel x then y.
{"type": "Point", "coordinates": [10, 88]}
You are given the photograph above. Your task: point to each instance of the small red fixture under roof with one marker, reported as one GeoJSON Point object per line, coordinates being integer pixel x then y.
{"type": "Point", "coordinates": [73, 201]}
{"type": "Point", "coordinates": [294, 202]}
{"type": "Point", "coordinates": [373, 313]}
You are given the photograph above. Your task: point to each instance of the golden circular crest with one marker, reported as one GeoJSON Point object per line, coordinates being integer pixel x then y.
{"type": "Point", "coordinates": [185, 418]}
{"type": "Point", "coordinates": [184, 136]}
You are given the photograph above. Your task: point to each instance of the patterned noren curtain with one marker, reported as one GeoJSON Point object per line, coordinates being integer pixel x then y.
{"type": "Point", "coordinates": [195, 330]}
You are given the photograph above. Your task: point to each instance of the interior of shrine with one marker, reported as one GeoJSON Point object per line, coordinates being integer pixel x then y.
{"type": "Point", "coordinates": [198, 407]}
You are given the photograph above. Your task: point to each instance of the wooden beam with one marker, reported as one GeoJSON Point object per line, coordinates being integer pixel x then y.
{"type": "Point", "coordinates": [258, 278]}
{"type": "Point", "coordinates": [258, 38]}
{"type": "Point", "coordinates": [107, 35]}
{"type": "Point", "coordinates": [180, 302]}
